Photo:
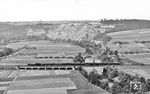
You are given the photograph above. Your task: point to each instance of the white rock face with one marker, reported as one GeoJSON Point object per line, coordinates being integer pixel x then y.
{"type": "Point", "coordinates": [73, 31]}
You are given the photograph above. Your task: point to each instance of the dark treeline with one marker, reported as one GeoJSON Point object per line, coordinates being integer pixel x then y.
{"type": "Point", "coordinates": [9, 51]}
{"type": "Point", "coordinates": [115, 81]}
{"type": "Point", "coordinates": [119, 21]}
{"type": "Point", "coordinates": [127, 42]}
{"type": "Point", "coordinates": [6, 51]}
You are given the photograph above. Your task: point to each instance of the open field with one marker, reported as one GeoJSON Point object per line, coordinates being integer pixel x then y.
{"type": "Point", "coordinates": [16, 45]}
{"type": "Point", "coordinates": [42, 48]}
{"type": "Point", "coordinates": [136, 47]}
{"type": "Point", "coordinates": [43, 45]}
{"type": "Point", "coordinates": [140, 70]}
{"type": "Point", "coordinates": [48, 82]}
{"type": "Point", "coordinates": [52, 51]}
{"type": "Point", "coordinates": [141, 60]}
{"type": "Point", "coordinates": [142, 57]}
{"type": "Point", "coordinates": [30, 61]}
{"type": "Point", "coordinates": [46, 85]}
{"type": "Point", "coordinates": [140, 50]}
{"type": "Point", "coordinates": [49, 47]}
{"type": "Point", "coordinates": [147, 45]}
{"type": "Point", "coordinates": [131, 35]}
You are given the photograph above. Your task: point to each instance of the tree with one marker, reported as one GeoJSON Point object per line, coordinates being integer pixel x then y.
{"type": "Point", "coordinates": [1, 54]}
{"type": "Point", "coordinates": [116, 88]}
{"type": "Point", "coordinates": [126, 89]}
{"type": "Point", "coordinates": [116, 52]}
{"type": "Point", "coordinates": [142, 80]}
{"type": "Point", "coordinates": [105, 72]}
{"type": "Point", "coordinates": [93, 77]}
{"type": "Point", "coordinates": [88, 51]}
{"type": "Point", "coordinates": [114, 74]}
{"type": "Point", "coordinates": [7, 51]}
{"type": "Point", "coordinates": [148, 85]}
{"type": "Point", "coordinates": [107, 50]}
{"type": "Point", "coordinates": [78, 58]}
{"type": "Point", "coordinates": [111, 53]}
{"type": "Point", "coordinates": [84, 73]}
{"type": "Point", "coordinates": [106, 59]}
{"type": "Point", "coordinates": [104, 85]}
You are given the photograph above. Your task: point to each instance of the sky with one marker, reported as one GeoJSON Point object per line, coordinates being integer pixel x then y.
{"type": "Point", "coordinates": [58, 10]}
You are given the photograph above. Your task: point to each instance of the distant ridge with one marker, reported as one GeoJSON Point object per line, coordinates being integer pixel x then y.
{"type": "Point", "coordinates": [82, 29]}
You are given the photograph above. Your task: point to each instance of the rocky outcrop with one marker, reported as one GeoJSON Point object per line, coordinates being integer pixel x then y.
{"type": "Point", "coordinates": [73, 31]}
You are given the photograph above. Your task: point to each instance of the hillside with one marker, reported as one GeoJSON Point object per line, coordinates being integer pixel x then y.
{"type": "Point", "coordinates": [11, 31]}
{"type": "Point", "coordinates": [126, 24]}
{"type": "Point", "coordinates": [66, 31]}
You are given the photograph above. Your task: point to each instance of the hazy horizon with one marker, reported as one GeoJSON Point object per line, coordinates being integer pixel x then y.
{"type": "Point", "coordinates": [72, 10]}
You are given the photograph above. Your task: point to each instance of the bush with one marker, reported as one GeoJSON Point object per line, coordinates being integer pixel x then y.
{"type": "Point", "coordinates": [78, 58]}
{"type": "Point", "coordinates": [6, 51]}
{"type": "Point", "coordinates": [88, 51]}
{"type": "Point", "coordinates": [84, 73]}
{"type": "Point", "coordinates": [104, 85]}
{"type": "Point", "coordinates": [113, 74]}
{"type": "Point", "coordinates": [116, 88]}
{"type": "Point", "coordinates": [142, 80]}
{"type": "Point", "coordinates": [120, 87]}
{"type": "Point", "coordinates": [93, 77]}
{"type": "Point", "coordinates": [148, 85]}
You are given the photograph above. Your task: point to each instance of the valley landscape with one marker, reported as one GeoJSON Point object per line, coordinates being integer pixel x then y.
{"type": "Point", "coordinates": [124, 42]}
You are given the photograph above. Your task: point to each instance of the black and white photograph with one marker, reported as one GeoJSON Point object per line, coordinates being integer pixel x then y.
{"type": "Point", "coordinates": [74, 46]}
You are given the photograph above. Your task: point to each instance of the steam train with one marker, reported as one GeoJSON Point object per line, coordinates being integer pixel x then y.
{"type": "Point", "coordinates": [77, 61]}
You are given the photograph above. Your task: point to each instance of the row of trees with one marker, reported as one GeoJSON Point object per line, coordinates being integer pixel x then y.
{"type": "Point", "coordinates": [109, 82]}
{"type": "Point", "coordinates": [7, 51]}
{"type": "Point", "coordinates": [110, 56]}
{"type": "Point", "coordinates": [127, 42]}
{"type": "Point", "coordinates": [135, 52]}
{"type": "Point", "coordinates": [36, 38]}
{"type": "Point", "coordinates": [90, 47]}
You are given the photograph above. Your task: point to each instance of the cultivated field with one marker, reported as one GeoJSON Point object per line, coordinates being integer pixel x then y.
{"type": "Point", "coordinates": [131, 36]}
{"type": "Point", "coordinates": [142, 71]}
{"type": "Point", "coordinates": [147, 45]}
{"type": "Point", "coordinates": [139, 52]}
{"type": "Point", "coordinates": [31, 61]}
{"type": "Point", "coordinates": [16, 45]}
{"type": "Point", "coordinates": [142, 57]}
{"type": "Point", "coordinates": [46, 82]}
{"type": "Point", "coordinates": [48, 48]}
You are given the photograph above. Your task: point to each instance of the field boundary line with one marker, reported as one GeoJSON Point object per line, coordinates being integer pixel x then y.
{"type": "Point", "coordinates": [6, 90]}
